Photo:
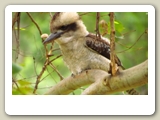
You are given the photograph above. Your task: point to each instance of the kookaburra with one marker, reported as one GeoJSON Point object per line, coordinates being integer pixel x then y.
{"type": "Point", "coordinates": [81, 50]}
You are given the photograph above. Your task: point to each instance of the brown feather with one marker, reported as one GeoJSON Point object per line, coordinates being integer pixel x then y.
{"type": "Point", "coordinates": [101, 46]}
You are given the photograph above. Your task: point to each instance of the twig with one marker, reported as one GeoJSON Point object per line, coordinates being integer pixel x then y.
{"type": "Point", "coordinates": [39, 76]}
{"type": "Point", "coordinates": [34, 65]}
{"type": "Point", "coordinates": [134, 43]}
{"type": "Point", "coordinates": [40, 32]}
{"type": "Point", "coordinates": [47, 62]}
{"type": "Point", "coordinates": [61, 77]}
{"type": "Point", "coordinates": [16, 19]}
{"type": "Point", "coordinates": [128, 32]}
{"type": "Point", "coordinates": [15, 83]}
{"type": "Point", "coordinates": [112, 44]}
{"type": "Point", "coordinates": [56, 49]}
{"type": "Point", "coordinates": [97, 26]}
{"type": "Point", "coordinates": [17, 86]}
{"type": "Point", "coordinates": [104, 83]}
{"type": "Point", "coordinates": [50, 14]}
{"type": "Point", "coordinates": [54, 59]}
{"type": "Point", "coordinates": [48, 75]}
{"type": "Point", "coordinates": [51, 50]}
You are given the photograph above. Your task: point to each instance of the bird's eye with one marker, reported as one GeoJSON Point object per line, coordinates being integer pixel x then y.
{"type": "Point", "coordinates": [68, 27]}
{"type": "Point", "coordinates": [63, 27]}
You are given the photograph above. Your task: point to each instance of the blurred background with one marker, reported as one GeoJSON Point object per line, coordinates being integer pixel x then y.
{"type": "Point", "coordinates": [29, 54]}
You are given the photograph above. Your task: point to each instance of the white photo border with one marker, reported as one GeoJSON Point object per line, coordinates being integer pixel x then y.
{"type": "Point", "coordinates": [79, 104]}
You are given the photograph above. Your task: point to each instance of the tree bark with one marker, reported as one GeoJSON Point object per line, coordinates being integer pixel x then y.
{"type": "Point", "coordinates": [102, 82]}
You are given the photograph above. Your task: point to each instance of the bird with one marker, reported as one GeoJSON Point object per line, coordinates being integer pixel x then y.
{"type": "Point", "coordinates": [81, 50]}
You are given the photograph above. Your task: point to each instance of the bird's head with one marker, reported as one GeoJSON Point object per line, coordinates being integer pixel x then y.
{"type": "Point", "coordinates": [65, 27]}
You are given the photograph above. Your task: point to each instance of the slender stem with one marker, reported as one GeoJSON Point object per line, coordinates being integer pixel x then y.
{"type": "Point", "coordinates": [97, 26]}
{"type": "Point", "coordinates": [40, 32]}
{"type": "Point", "coordinates": [112, 44]}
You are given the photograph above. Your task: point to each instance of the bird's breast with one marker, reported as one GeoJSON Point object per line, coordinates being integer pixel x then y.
{"type": "Point", "coordinates": [81, 58]}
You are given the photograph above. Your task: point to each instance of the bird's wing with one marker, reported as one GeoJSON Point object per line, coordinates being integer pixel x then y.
{"type": "Point", "coordinates": [100, 46]}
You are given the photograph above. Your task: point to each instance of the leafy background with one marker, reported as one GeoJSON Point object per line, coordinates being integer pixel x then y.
{"type": "Point", "coordinates": [131, 30]}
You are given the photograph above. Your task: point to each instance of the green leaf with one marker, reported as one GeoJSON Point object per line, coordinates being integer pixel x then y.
{"type": "Point", "coordinates": [115, 22]}
{"type": "Point", "coordinates": [23, 82]}
{"type": "Point", "coordinates": [19, 28]}
{"type": "Point", "coordinates": [27, 90]}
{"type": "Point", "coordinates": [16, 92]}
{"type": "Point", "coordinates": [118, 26]}
{"type": "Point", "coordinates": [15, 68]}
{"type": "Point", "coordinates": [120, 37]}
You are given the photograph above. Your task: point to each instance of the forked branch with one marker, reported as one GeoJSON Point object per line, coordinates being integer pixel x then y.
{"type": "Point", "coordinates": [102, 82]}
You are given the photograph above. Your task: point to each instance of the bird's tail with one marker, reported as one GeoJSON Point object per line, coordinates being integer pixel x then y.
{"type": "Point", "coordinates": [132, 92]}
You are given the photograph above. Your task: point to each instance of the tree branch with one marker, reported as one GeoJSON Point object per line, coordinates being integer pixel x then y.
{"type": "Point", "coordinates": [124, 80]}
{"type": "Point", "coordinates": [112, 44]}
{"type": "Point", "coordinates": [16, 19]}
{"type": "Point", "coordinates": [97, 26]}
{"type": "Point", "coordinates": [103, 83]}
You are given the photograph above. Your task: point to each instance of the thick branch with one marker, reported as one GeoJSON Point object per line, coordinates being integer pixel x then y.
{"type": "Point", "coordinates": [70, 84]}
{"type": "Point", "coordinates": [124, 80]}
{"type": "Point", "coordinates": [103, 83]}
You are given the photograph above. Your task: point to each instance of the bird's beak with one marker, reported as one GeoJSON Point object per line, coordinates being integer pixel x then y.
{"type": "Point", "coordinates": [52, 36]}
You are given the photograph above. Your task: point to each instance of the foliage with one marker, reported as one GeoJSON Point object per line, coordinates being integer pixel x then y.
{"type": "Point", "coordinates": [31, 52]}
